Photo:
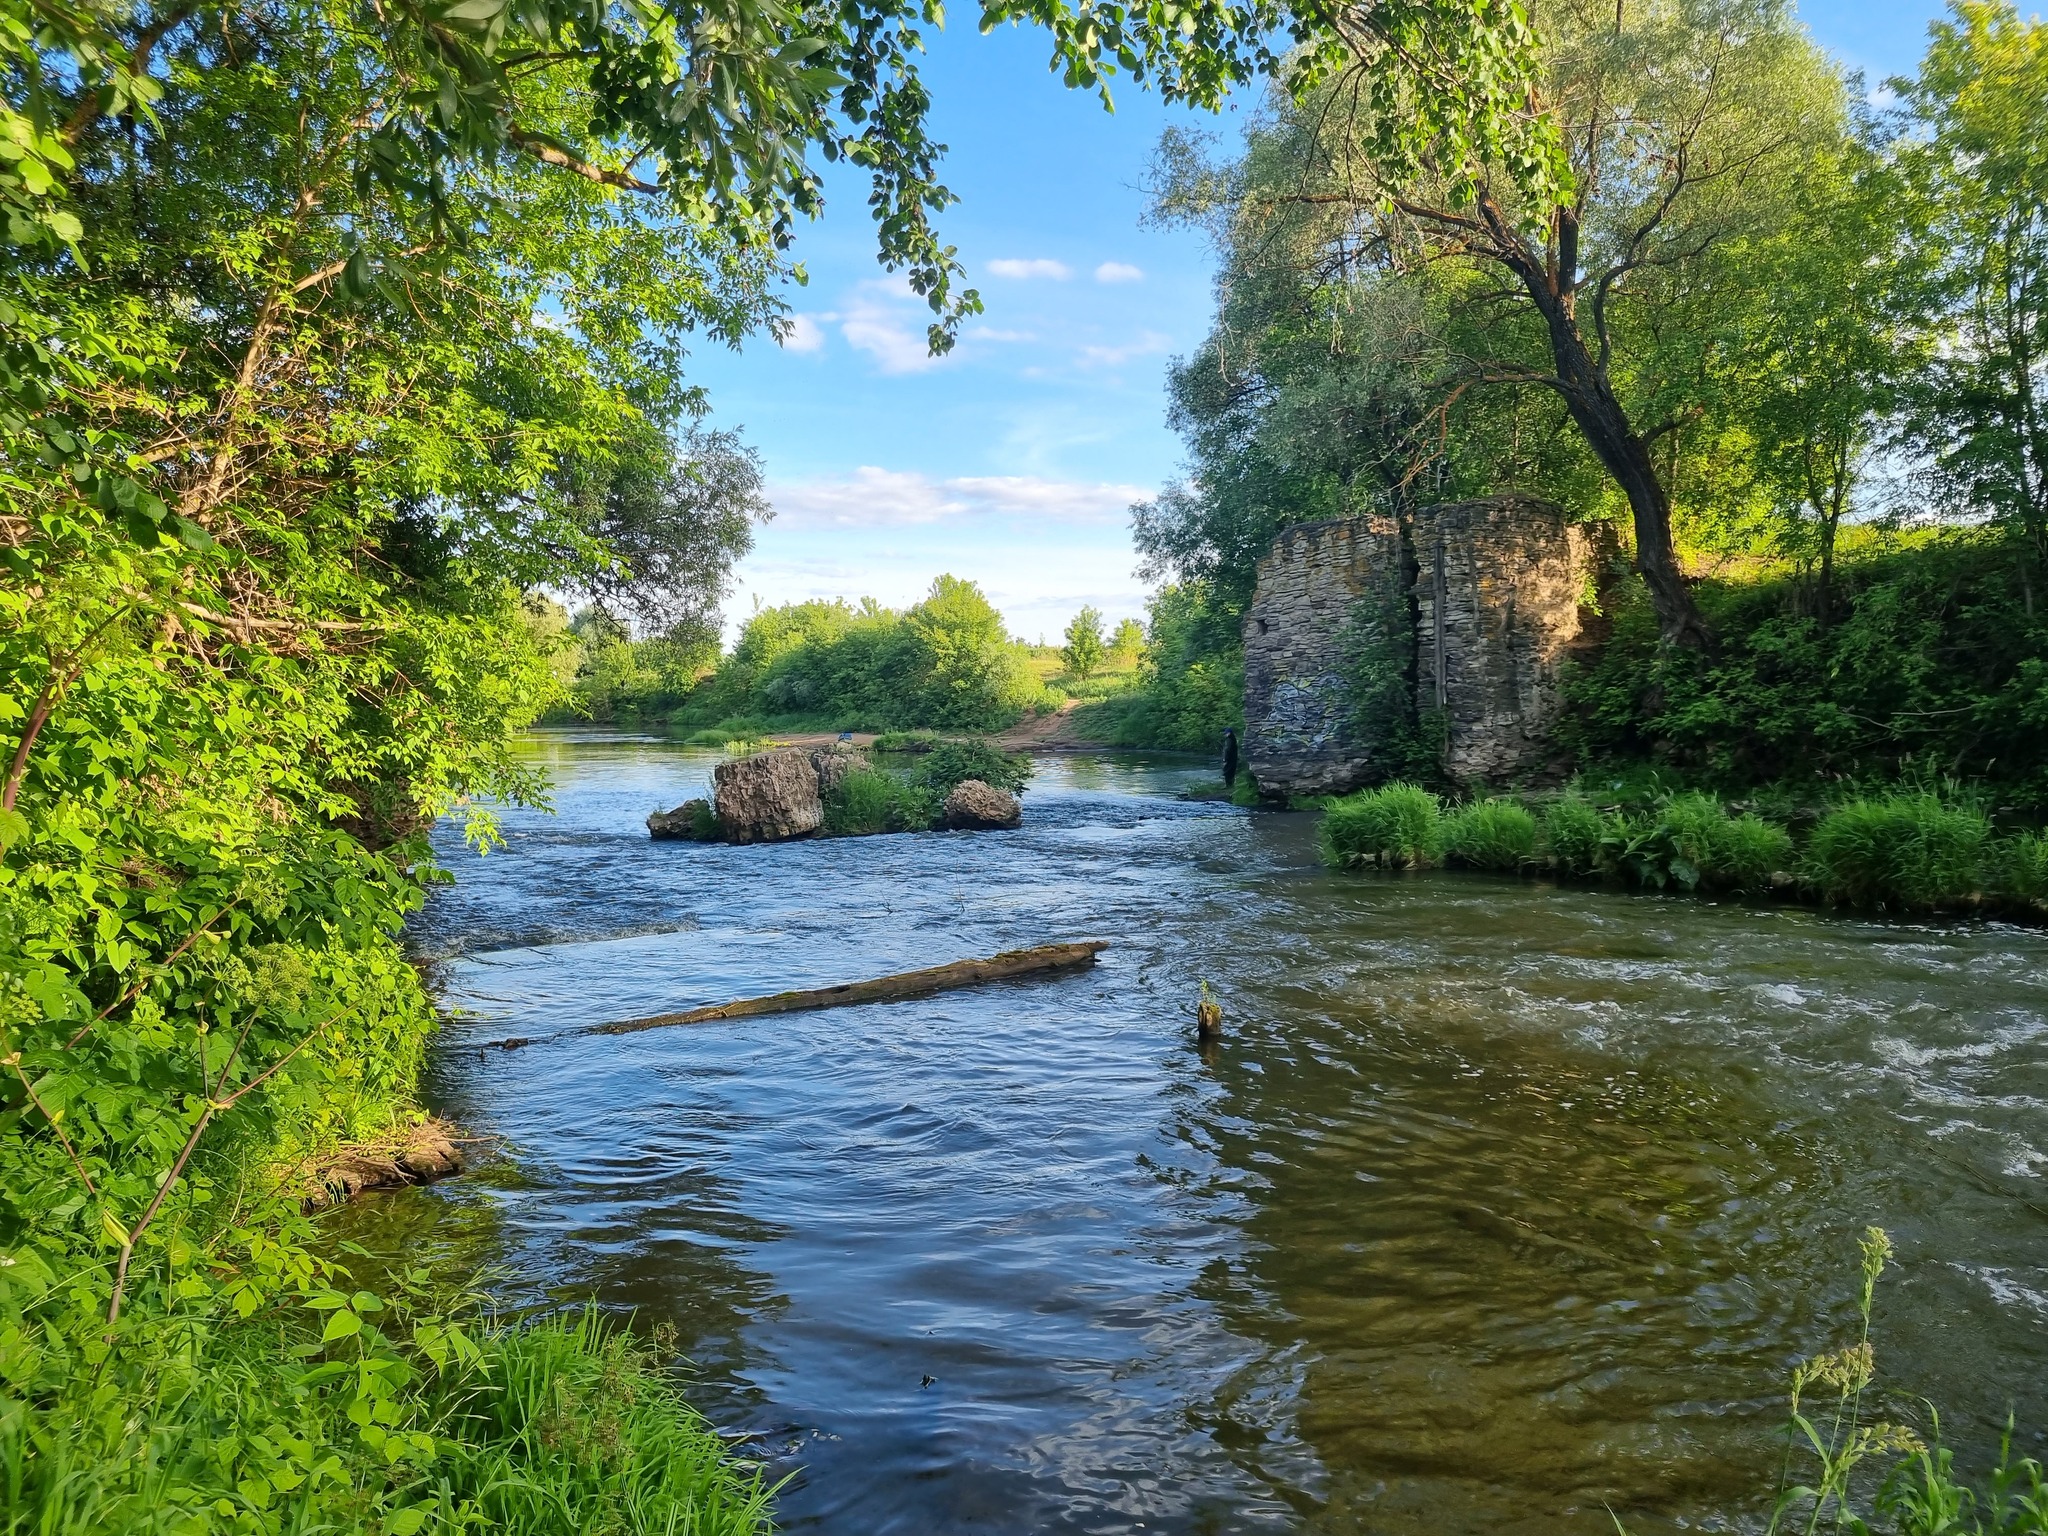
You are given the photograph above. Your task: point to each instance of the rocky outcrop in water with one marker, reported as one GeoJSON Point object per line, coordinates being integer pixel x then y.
{"type": "Point", "coordinates": [972, 806]}
{"type": "Point", "coordinates": [1371, 640]}
{"type": "Point", "coordinates": [774, 796]}
{"type": "Point", "coordinates": [688, 822]}
{"type": "Point", "coordinates": [769, 797]}
{"type": "Point", "coordinates": [835, 762]}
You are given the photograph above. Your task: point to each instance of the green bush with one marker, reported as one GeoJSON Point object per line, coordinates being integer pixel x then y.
{"type": "Point", "coordinates": [1397, 824]}
{"type": "Point", "coordinates": [907, 741]}
{"type": "Point", "coordinates": [1490, 834]}
{"type": "Point", "coordinates": [2022, 867]}
{"type": "Point", "coordinates": [1751, 852]}
{"type": "Point", "coordinates": [868, 800]}
{"type": "Point", "coordinates": [1909, 849]}
{"type": "Point", "coordinates": [1741, 852]}
{"type": "Point", "coordinates": [1932, 653]}
{"type": "Point", "coordinates": [1575, 834]}
{"type": "Point", "coordinates": [1189, 687]}
{"type": "Point", "coordinates": [951, 762]}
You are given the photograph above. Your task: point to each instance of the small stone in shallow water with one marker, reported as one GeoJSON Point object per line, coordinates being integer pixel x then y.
{"type": "Point", "coordinates": [973, 806]}
{"type": "Point", "coordinates": [681, 823]}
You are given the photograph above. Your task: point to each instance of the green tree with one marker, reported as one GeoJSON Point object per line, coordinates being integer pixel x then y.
{"type": "Point", "coordinates": [1082, 653]}
{"type": "Point", "coordinates": [1682, 122]}
{"type": "Point", "coordinates": [1127, 644]}
{"type": "Point", "coordinates": [958, 666]}
{"type": "Point", "coordinates": [673, 518]}
{"type": "Point", "coordinates": [1978, 152]}
{"type": "Point", "coordinates": [1823, 361]}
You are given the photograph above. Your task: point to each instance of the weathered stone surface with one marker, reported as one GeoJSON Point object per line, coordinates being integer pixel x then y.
{"type": "Point", "coordinates": [680, 823]}
{"type": "Point", "coordinates": [972, 806]}
{"type": "Point", "coordinates": [1303, 734]}
{"type": "Point", "coordinates": [769, 797]}
{"type": "Point", "coordinates": [833, 763]}
{"type": "Point", "coordinates": [1499, 590]}
{"type": "Point", "coordinates": [422, 1155]}
{"type": "Point", "coordinates": [1365, 632]}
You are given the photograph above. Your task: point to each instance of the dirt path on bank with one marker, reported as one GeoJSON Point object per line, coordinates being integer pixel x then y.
{"type": "Point", "coordinates": [1055, 732]}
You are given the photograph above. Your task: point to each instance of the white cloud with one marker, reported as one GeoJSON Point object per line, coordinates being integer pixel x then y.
{"type": "Point", "coordinates": [805, 334]}
{"type": "Point", "coordinates": [1037, 266]}
{"type": "Point", "coordinates": [872, 497]}
{"type": "Point", "coordinates": [893, 339]}
{"type": "Point", "coordinates": [1067, 501]}
{"type": "Point", "coordinates": [1146, 345]}
{"type": "Point", "coordinates": [1119, 272]}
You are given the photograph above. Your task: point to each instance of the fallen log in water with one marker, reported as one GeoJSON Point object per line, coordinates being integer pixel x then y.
{"type": "Point", "coordinates": [883, 989]}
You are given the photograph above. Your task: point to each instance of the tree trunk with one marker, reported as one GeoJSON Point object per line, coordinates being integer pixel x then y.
{"type": "Point", "coordinates": [1626, 455]}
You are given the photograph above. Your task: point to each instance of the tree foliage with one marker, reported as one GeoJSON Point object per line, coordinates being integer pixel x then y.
{"type": "Point", "coordinates": [1819, 328]}
{"type": "Point", "coordinates": [944, 662]}
{"type": "Point", "coordinates": [1084, 650]}
{"type": "Point", "coordinates": [1681, 124]}
{"type": "Point", "coordinates": [1978, 160]}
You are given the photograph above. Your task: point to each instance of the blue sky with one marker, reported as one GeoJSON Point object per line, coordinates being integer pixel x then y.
{"type": "Point", "coordinates": [1012, 462]}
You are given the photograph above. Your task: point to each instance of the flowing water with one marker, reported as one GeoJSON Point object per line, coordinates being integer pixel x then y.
{"type": "Point", "coordinates": [1499, 1203]}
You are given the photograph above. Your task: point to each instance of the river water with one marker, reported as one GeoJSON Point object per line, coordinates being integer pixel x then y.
{"type": "Point", "coordinates": [1499, 1204]}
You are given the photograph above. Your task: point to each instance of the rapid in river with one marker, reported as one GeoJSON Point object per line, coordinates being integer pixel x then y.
{"type": "Point", "coordinates": [1499, 1202]}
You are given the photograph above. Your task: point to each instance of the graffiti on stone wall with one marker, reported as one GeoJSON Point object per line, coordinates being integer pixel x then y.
{"type": "Point", "coordinates": [1309, 715]}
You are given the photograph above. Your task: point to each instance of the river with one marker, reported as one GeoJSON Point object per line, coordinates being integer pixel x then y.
{"type": "Point", "coordinates": [1500, 1202]}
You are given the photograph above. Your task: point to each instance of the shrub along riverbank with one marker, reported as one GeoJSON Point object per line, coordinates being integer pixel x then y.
{"type": "Point", "coordinates": [1903, 850]}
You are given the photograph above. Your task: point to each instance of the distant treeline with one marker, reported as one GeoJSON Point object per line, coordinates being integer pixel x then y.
{"type": "Point", "coordinates": [946, 662]}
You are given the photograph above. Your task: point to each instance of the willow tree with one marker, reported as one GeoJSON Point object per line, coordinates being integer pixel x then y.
{"type": "Point", "coordinates": [1679, 123]}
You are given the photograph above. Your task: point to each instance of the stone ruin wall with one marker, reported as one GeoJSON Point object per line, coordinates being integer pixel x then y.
{"type": "Point", "coordinates": [1301, 734]}
{"type": "Point", "coordinates": [1483, 602]}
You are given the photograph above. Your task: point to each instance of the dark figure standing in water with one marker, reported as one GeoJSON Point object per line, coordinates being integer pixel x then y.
{"type": "Point", "coordinates": [1229, 759]}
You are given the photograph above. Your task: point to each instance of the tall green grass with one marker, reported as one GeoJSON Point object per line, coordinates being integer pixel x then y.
{"type": "Point", "coordinates": [1734, 852]}
{"type": "Point", "coordinates": [1397, 825]}
{"type": "Point", "coordinates": [1490, 834]}
{"type": "Point", "coordinates": [868, 800]}
{"type": "Point", "coordinates": [1575, 833]}
{"type": "Point", "coordinates": [561, 1428]}
{"type": "Point", "coordinates": [2022, 867]}
{"type": "Point", "coordinates": [1910, 849]}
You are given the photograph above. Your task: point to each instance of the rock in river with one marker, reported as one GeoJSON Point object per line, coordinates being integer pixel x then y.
{"type": "Point", "coordinates": [680, 823]}
{"type": "Point", "coordinates": [835, 762]}
{"type": "Point", "coordinates": [977, 807]}
{"type": "Point", "coordinates": [768, 797]}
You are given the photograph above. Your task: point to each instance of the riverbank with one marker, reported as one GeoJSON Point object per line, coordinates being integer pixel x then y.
{"type": "Point", "coordinates": [352, 1412]}
{"type": "Point", "coordinates": [1904, 851]}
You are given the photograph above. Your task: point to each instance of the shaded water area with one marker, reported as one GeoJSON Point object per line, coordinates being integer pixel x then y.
{"type": "Point", "coordinates": [1500, 1202]}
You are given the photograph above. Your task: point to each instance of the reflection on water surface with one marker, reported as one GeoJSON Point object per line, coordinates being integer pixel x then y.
{"type": "Point", "coordinates": [1499, 1204]}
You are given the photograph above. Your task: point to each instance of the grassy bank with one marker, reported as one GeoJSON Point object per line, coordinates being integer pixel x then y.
{"type": "Point", "coordinates": [1906, 850]}
{"type": "Point", "coordinates": [341, 1411]}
